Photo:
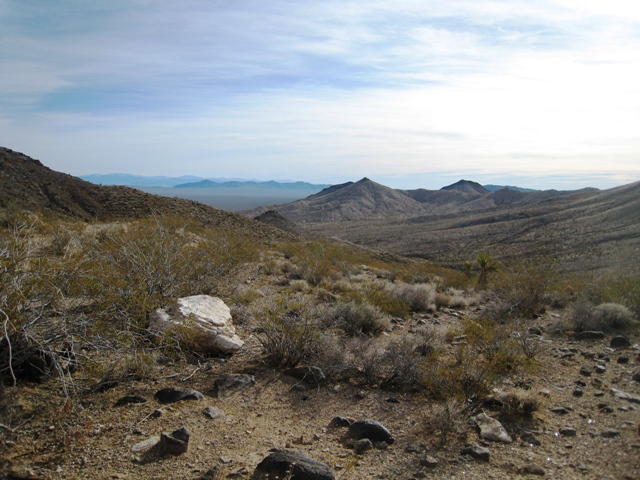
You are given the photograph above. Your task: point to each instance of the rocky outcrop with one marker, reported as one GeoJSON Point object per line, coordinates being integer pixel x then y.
{"type": "Point", "coordinates": [202, 321]}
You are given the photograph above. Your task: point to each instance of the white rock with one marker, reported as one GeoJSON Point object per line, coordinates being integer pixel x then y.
{"type": "Point", "coordinates": [491, 429]}
{"type": "Point", "coordinates": [204, 321]}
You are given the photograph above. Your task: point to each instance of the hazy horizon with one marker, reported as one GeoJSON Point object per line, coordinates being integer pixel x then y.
{"type": "Point", "coordinates": [410, 94]}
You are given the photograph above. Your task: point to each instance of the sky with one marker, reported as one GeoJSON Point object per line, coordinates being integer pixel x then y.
{"type": "Point", "coordinates": [411, 94]}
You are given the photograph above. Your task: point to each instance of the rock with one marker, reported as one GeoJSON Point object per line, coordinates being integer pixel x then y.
{"type": "Point", "coordinates": [610, 434]}
{"type": "Point", "coordinates": [129, 399]}
{"type": "Point", "coordinates": [590, 335]}
{"type": "Point", "coordinates": [636, 377]}
{"type": "Point", "coordinates": [416, 448]}
{"type": "Point", "coordinates": [145, 445]}
{"type": "Point", "coordinates": [213, 473]}
{"type": "Point", "coordinates": [429, 462]}
{"type": "Point", "coordinates": [213, 413]}
{"type": "Point", "coordinates": [600, 369]}
{"type": "Point", "coordinates": [619, 341]}
{"type": "Point", "coordinates": [491, 429]}
{"type": "Point", "coordinates": [392, 400]}
{"type": "Point", "coordinates": [206, 321]}
{"type": "Point", "coordinates": [604, 408]}
{"type": "Point", "coordinates": [568, 432]}
{"type": "Point", "coordinates": [476, 451]}
{"type": "Point", "coordinates": [176, 442]}
{"type": "Point", "coordinates": [176, 394]}
{"type": "Point", "coordinates": [533, 469]}
{"type": "Point", "coordinates": [227, 385]}
{"type": "Point", "coordinates": [578, 392]}
{"type": "Point", "coordinates": [370, 429]}
{"type": "Point", "coordinates": [560, 410]}
{"type": "Point", "coordinates": [157, 413]}
{"type": "Point", "coordinates": [623, 360]}
{"type": "Point", "coordinates": [310, 375]}
{"type": "Point", "coordinates": [530, 439]}
{"type": "Point", "coordinates": [362, 445]}
{"type": "Point", "coordinates": [286, 462]}
{"type": "Point", "coordinates": [338, 422]}
{"type": "Point", "coordinates": [585, 371]}
{"type": "Point", "coordinates": [625, 396]}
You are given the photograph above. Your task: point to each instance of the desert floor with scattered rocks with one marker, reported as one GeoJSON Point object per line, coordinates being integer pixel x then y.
{"type": "Point", "coordinates": [583, 429]}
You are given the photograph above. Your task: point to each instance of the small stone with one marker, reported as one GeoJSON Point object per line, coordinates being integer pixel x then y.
{"type": "Point", "coordinates": [530, 439]}
{"type": "Point", "coordinates": [568, 432]}
{"type": "Point", "coordinates": [560, 410]}
{"type": "Point", "coordinates": [213, 413]}
{"type": "Point", "coordinates": [600, 369]}
{"type": "Point", "coordinates": [370, 429]}
{"type": "Point", "coordinates": [533, 469]}
{"type": "Point", "coordinates": [176, 442]}
{"type": "Point", "coordinates": [310, 375]}
{"type": "Point", "coordinates": [623, 360]}
{"type": "Point", "coordinates": [429, 462]}
{"type": "Point", "coordinates": [416, 448]}
{"type": "Point", "coordinates": [619, 341]}
{"type": "Point", "coordinates": [362, 445]}
{"type": "Point", "coordinates": [476, 451]}
{"type": "Point", "coordinates": [589, 335]}
{"type": "Point", "coordinates": [360, 396]}
{"type": "Point", "coordinates": [604, 408]}
{"type": "Point", "coordinates": [598, 394]}
{"type": "Point", "coordinates": [625, 396]}
{"type": "Point", "coordinates": [337, 422]}
{"type": "Point", "coordinates": [610, 434]}
{"type": "Point", "coordinates": [281, 463]}
{"type": "Point", "coordinates": [578, 392]}
{"type": "Point", "coordinates": [145, 445]}
{"type": "Point", "coordinates": [157, 413]}
{"type": "Point", "coordinates": [176, 394]}
{"type": "Point", "coordinates": [392, 400]}
{"type": "Point", "coordinates": [129, 399]}
{"type": "Point", "coordinates": [585, 371]}
{"type": "Point", "coordinates": [636, 377]}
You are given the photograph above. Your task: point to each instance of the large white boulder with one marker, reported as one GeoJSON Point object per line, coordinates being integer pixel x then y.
{"type": "Point", "coordinates": [201, 320]}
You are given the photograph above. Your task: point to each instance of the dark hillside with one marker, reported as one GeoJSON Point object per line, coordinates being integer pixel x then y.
{"type": "Point", "coordinates": [27, 183]}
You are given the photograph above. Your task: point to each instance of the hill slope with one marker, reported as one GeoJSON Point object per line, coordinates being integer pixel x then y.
{"type": "Point", "coordinates": [27, 183]}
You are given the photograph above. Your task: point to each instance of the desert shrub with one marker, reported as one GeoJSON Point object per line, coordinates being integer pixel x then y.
{"type": "Point", "coordinates": [486, 264]}
{"type": "Point", "coordinates": [526, 288]}
{"type": "Point", "coordinates": [611, 316]}
{"type": "Point", "coordinates": [419, 297]}
{"type": "Point", "coordinates": [428, 341]}
{"type": "Point", "coordinates": [467, 379]}
{"type": "Point", "coordinates": [623, 290]}
{"type": "Point", "coordinates": [520, 403]}
{"type": "Point", "coordinates": [531, 345]}
{"type": "Point", "coordinates": [443, 300]}
{"type": "Point", "coordinates": [400, 363]}
{"type": "Point", "coordinates": [580, 315]}
{"type": "Point", "coordinates": [289, 338]}
{"type": "Point", "coordinates": [360, 318]}
{"type": "Point", "coordinates": [494, 342]}
{"type": "Point", "coordinates": [378, 294]}
{"type": "Point", "coordinates": [450, 417]}
{"type": "Point", "coordinates": [604, 317]}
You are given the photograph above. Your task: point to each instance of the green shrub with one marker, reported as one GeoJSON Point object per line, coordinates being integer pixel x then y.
{"type": "Point", "coordinates": [289, 339]}
{"type": "Point", "coordinates": [519, 403]}
{"type": "Point", "coordinates": [611, 316]}
{"type": "Point", "coordinates": [360, 318]}
{"type": "Point", "coordinates": [450, 417]}
{"type": "Point", "coordinates": [419, 298]}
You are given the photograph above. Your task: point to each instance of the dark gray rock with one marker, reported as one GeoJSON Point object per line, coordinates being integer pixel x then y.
{"type": "Point", "coordinates": [578, 392]}
{"type": "Point", "coordinates": [586, 371]}
{"type": "Point", "coordinates": [429, 462]}
{"type": "Point", "coordinates": [362, 445]}
{"type": "Point", "coordinates": [623, 360]}
{"type": "Point", "coordinates": [284, 462]}
{"type": "Point", "coordinates": [568, 432]}
{"type": "Point", "coordinates": [310, 375]}
{"type": "Point", "coordinates": [176, 394]}
{"type": "Point", "coordinates": [590, 335]}
{"type": "Point", "coordinates": [416, 448]}
{"type": "Point", "coordinates": [636, 377]}
{"type": "Point", "coordinates": [213, 413]}
{"type": "Point", "coordinates": [476, 451]}
{"type": "Point", "coordinates": [129, 399]}
{"type": "Point", "coordinates": [619, 341]}
{"type": "Point", "coordinates": [560, 410]}
{"type": "Point", "coordinates": [610, 434]}
{"type": "Point", "coordinates": [600, 369]}
{"type": "Point", "coordinates": [213, 473]}
{"type": "Point", "coordinates": [176, 442]}
{"type": "Point", "coordinates": [625, 396]}
{"type": "Point", "coordinates": [227, 385]}
{"type": "Point", "coordinates": [370, 429]}
{"type": "Point", "coordinates": [338, 422]}
{"type": "Point", "coordinates": [530, 439]}
{"type": "Point", "coordinates": [533, 469]}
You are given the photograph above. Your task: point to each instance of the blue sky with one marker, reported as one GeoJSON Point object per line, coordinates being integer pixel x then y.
{"type": "Point", "coordinates": [542, 94]}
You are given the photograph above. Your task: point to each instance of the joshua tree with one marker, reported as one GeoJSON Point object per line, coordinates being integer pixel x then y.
{"type": "Point", "coordinates": [486, 263]}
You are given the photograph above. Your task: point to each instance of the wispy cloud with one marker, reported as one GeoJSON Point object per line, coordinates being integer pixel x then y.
{"type": "Point", "coordinates": [326, 91]}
